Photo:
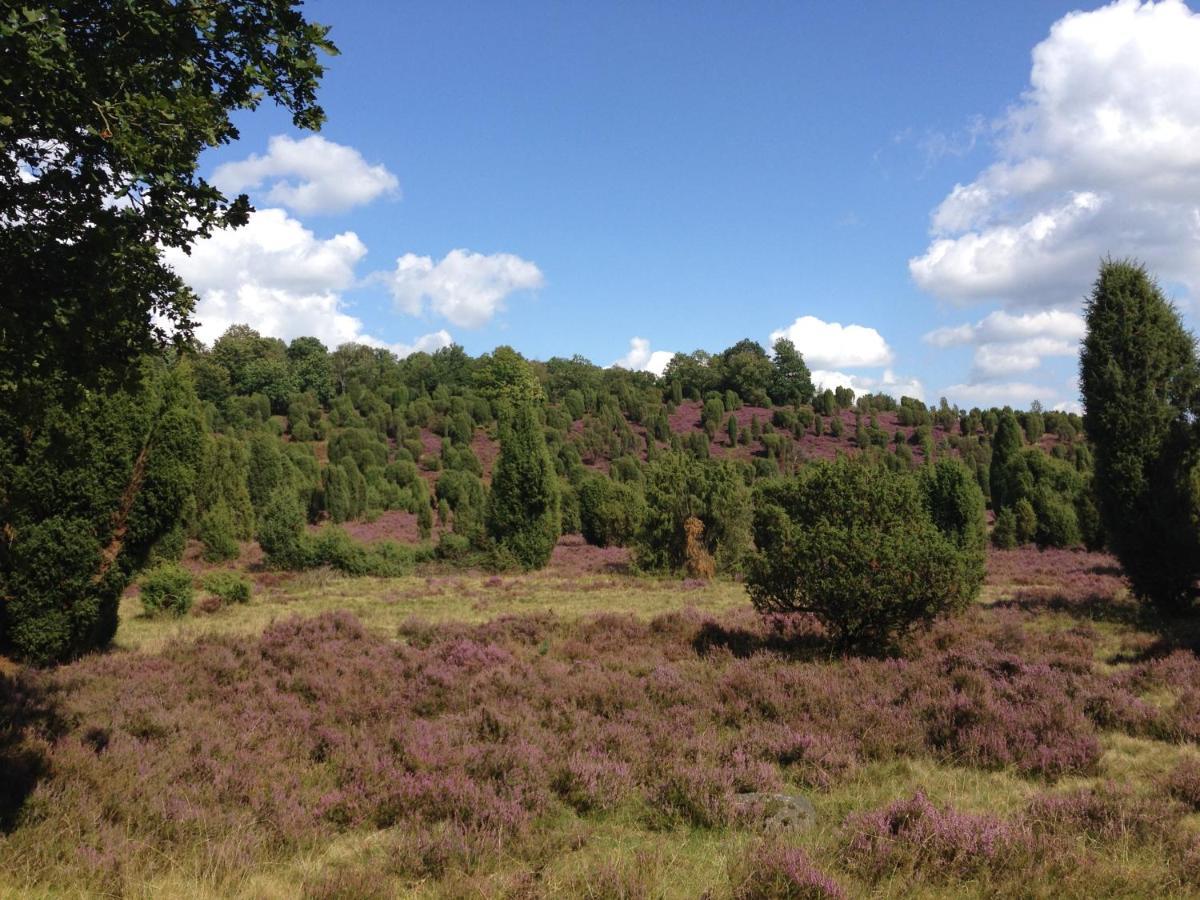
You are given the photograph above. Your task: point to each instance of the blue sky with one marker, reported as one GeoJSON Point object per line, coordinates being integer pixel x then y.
{"type": "Point", "coordinates": [691, 174]}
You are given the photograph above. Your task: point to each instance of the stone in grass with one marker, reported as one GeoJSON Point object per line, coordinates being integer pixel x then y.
{"type": "Point", "coordinates": [774, 812]}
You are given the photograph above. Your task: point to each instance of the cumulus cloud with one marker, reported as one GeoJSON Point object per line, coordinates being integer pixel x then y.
{"type": "Point", "coordinates": [1100, 156]}
{"type": "Point", "coordinates": [466, 288]}
{"type": "Point", "coordinates": [1007, 344]}
{"type": "Point", "coordinates": [641, 359]}
{"type": "Point", "coordinates": [1018, 394]}
{"type": "Point", "coordinates": [888, 383]}
{"type": "Point", "coordinates": [310, 176]}
{"type": "Point", "coordinates": [278, 277]}
{"type": "Point", "coordinates": [426, 343]}
{"type": "Point", "coordinates": [1001, 326]}
{"type": "Point", "coordinates": [831, 345]}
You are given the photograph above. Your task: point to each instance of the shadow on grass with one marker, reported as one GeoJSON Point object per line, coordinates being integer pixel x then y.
{"type": "Point", "coordinates": [743, 642]}
{"type": "Point", "coordinates": [1093, 607]}
{"type": "Point", "coordinates": [26, 709]}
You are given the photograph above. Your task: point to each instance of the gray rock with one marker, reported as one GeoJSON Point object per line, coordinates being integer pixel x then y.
{"type": "Point", "coordinates": [774, 812]}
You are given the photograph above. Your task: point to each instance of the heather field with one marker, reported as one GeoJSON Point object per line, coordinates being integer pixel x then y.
{"type": "Point", "coordinates": [584, 731]}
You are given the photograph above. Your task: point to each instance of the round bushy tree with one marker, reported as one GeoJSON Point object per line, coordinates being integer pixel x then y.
{"type": "Point", "coordinates": [855, 545]}
{"type": "Point", "coordinates": [609, 511]}
{"type": "Point", "coordinates": [523, 513]}
{"type": "Point", "coordinates": [1141, 388]}
{"type": "Point", "coordinates": [680, 487]}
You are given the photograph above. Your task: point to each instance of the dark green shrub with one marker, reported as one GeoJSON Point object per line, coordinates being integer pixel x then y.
{"type": "Point", "coordinates": [453, 547]}
{"type": "Point", "coordinates": [679, 487]}
{"type": "Point", "coordinates": [1004, 532]}
{"type": "Point", "coordinates": [1140, 380]}
{"type": "Point", "coordinates": [610, 512]}
{"type": "Point", "coordinates": [523, 508]}
{"type": "Point", "coordinates": [1027, 522]}
{"type": "Point", "coordinates": [281, 532]}
{"type": "Point", "coordinates": [854, 544]}
{"type": "Point", "coordinates": [90, 482]}
{"type": "Point", "coordinates": [167, 590]}
{"type": "Point", "coordinates": [216, 532]}
{"type": "Point", "coordinates": [568, 508]}
{"type": "Point", "coordinates": [1010, 477]}
{"type": "Point", "coordinates": [1057, 525]}
{"type": "Point", "coordinates": [229, 586]}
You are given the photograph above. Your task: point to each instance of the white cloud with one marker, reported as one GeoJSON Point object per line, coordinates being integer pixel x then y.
{"type": "Point", "coordinates": [311, 175]}
{"type": "Point", "coordinates": [1100, 156]}
{"type": "Point", "coordinates": [1008, 344]}
{"type": "Point", "coordinates": [1017, 394]}
{"type": "Point", "coordinates": [426, 343]}
{"type": "Point", "coordinates": [641, 359]}
{"type": "Point", "coordinates": [466, 288]}
{"type": "Point", "coordinates": [830, 345]}
{"type": "Point", "coordinates": [278, 277]}
{"type": "Point", "coordinates": [889, 383]}
{"type": "Point", "coordinates": [1001, 360]}
{"type": "Point", "coordinates": [1001, 326]}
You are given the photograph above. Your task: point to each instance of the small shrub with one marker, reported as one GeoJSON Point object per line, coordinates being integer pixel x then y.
{"type": "Point", "coordinates": [1027, 521]}
{"type": "Point", "coordinates": [167, 589]}
{"type": "Point", "coordinates": [229, 586]}
{"type": "Point", "coordinates": [1184, 783]}
{"type": "Point", "coordinates": [778, 872]}
{"type": "Point", "coordinates": [916, 836]}
{"type": "Point", "coordinates": [1004, 532]}
{"type": "Point", "coordinates": [216, 531]}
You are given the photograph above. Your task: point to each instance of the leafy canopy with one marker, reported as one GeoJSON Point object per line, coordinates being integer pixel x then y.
{"type": "Point", "coordinates": [106, 109]}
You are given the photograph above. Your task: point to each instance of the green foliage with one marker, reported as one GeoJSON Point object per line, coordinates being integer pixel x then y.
{"type": "Point", "coordinates": [84, 284]}
{"type": "Point", "coordinates": [1004, 532]}
{"type": "Point", "coordinates": [223, 480]}
{"type": "Point", "coordinates": [678, 487]}
{"type": "Point", "coordinates": [746, 370]}
{"type": "Point", "coordinates": [230, 587]}
{"type": "Point", "coordinates": [854, 544]}
{"type": "Point", "coordinates": [281, 532]}
{"type": "Point", "coordinates": [1141, 387]}
{"type": "Point", "coordinates": [310, 367]}
{"type": "Point", "coordinates": [1010, 478]}
{"type": "Point", "coordinates": [710, 415]}
{"type": "Point", "coordinates": [1026, 519]}
{"type": "Point", "coordinates": [216, 531]}
{"type": "Point", "coordinates": [791, 382]}
{"type": "Point", "coordinates": [266, 468]}
{"type": "Point", "coordinates": [610, 512]}
{"type": "Point", "coordinates": [167, 590]}
{"type": "Point", "coordinates": [89, 488]}
{"type": "Point", "coordinates": [333, 547]}
{"type": "Point", "coordinates": [523, 508]}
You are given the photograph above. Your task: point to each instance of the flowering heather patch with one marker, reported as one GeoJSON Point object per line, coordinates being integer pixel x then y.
{"type": "Point", "coordinates": [776, 872]}
{"type": "Point", "coordinates": [465, 739]}
{"type": "Point", "coordinates": [1184, 783]}
{"type": "Point", "coordinates": [1073, 581]}
{"type": "Point", "coordinates": [915, 835]}
{"type": "Point", "coordinates": [1108, 812]}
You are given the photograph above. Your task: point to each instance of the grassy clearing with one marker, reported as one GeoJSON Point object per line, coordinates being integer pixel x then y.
{"type": "Point", "coordinates": [383, 604]}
